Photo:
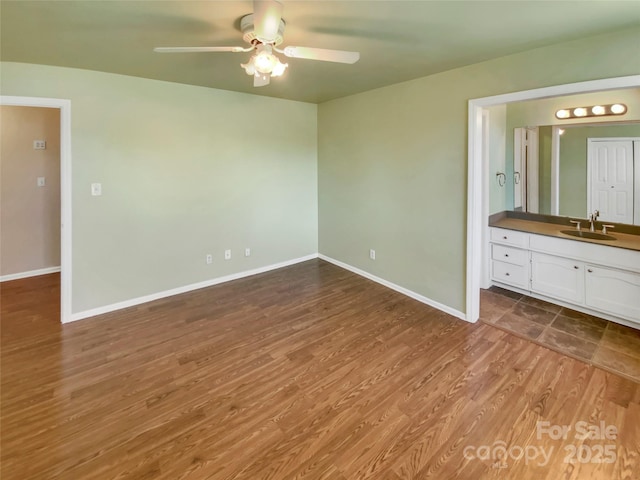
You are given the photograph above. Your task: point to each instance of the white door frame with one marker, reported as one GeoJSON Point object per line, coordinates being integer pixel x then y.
{"type": "Point", "coordinates": [519, 168]}
{"type": "Point", "coordinates": [486, 161]}
{"type": "Point", "coordinates": [532, 184]}
{"type": "Point", "coordinates": [526, 157]}
{"type": "Point", "coordinates": [590, 143]}
{"type": "Point", "coordinates": [65, 189]}
{"type": "Point", "coordinates": [555, 169]}
{"type": "Point", "coordinates": [636, 180]}
{"type": "Point", "coordinates": [477, 183]}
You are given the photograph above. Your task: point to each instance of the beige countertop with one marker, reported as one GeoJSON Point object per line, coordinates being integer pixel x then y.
{"type": "Point", "coordinates": [623, 240]}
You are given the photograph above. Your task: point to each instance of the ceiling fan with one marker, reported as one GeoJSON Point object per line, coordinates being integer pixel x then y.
{"type": "Point", "coordinates": [263, 30]}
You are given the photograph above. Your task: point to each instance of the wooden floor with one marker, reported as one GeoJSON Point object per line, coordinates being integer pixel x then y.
{"type": "Point", "coordinates": [608, 345]}
{"type": "Point", "coordinates": [309, 372]}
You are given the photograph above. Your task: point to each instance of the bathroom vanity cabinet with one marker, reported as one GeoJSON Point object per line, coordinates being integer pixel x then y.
{"type": "Point", "coordinates": [597, 279]}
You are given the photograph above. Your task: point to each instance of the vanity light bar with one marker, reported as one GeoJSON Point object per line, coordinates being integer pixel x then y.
{"type": "Point", "coordinates": [592, 111]}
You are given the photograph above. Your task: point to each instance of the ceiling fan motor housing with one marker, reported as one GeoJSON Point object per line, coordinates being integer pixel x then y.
{"type": "Point", "coordinates": [249, 34]}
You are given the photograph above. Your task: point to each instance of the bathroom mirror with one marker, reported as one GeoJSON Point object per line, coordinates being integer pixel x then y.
{"type": "Point", "coordinates": [568, 168]}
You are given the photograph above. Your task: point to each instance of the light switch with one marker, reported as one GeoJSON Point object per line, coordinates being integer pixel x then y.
{"type": "Point", "coordinates": [41, 181]}
{"type": "Point", "coordinates": [96, 189]}
{"type": "Point", "coordinates": [39, 145]}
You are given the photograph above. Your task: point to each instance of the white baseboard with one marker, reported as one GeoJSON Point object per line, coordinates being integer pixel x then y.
{"type": "Point", "coordinates": [187, 288]}
{"type": "Point", "coordinates": [31, 273]}
{"type": "Point", "coordinates": [216, 281]}
{"type": "Point", "coordinates": [397, 288]}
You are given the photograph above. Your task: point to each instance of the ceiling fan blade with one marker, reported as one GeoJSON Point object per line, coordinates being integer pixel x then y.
{"type": "Point", "coordinates": [261, 79]}
{"type": "Point", "coordinates": [198, 49]}
{"type": "Point", "coordinates": [267, 15]}
{"type": "Point", "coordinates": [340, 56]}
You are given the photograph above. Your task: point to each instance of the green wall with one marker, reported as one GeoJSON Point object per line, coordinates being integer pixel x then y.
{"type": "Point", "coordinates": [573, 164]}
{"type": "Point", "coordinates": [497, 141]}
{"type": "Point", "coordinates": [392, 162]}
{"type": "Point", "coordinates": [185, 171]}
{"type": "Point", "coordinates": [188, 171]}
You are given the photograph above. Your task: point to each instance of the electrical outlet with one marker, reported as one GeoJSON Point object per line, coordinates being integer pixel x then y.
{"type": "Point", "coordinates": [247, 252]}
{"type": "Point", "coordinates": [96, 189]}
{"type": "Point", "coordinates": [39, 145]}
{"type": "Point", "coordinates": [372, 254]}
{"type": "Point", "coordinates": [209, 259]}
{"type": "Point", "coordinates": [227, 254]}
{"type": "Point", "coordinates": [41, 181]}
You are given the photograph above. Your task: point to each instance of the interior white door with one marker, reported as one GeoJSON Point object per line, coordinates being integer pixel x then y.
{"type": "Point", "coordinates": [610, 167]}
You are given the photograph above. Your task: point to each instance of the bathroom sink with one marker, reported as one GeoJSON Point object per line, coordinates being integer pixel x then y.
{"type": "Point", "coordinates": [590, 235]}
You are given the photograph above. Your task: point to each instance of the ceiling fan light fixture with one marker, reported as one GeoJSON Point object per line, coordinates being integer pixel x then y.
{"type": "Point", "coordinates": [263, 30]}
{"type": "Point", "coordinates": [249, 67]}
{"type": "Point", "coordinates": [264, 62]}
{"type": "Point", "coordinates": [279, 69]}
{"type": "Point", "coordinates": [264, 59]}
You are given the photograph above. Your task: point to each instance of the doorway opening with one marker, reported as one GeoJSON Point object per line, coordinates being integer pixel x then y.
{"type": "Point", "coordinates": [478, 175]}
{"type": "Point", "coordinates": [64, 109]}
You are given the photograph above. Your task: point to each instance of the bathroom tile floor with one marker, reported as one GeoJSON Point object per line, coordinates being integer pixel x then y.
{"type": "Point", "coordinates": [604, 344]}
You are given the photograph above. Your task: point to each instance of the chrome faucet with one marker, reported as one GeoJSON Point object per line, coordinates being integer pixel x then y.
{"type": "Point", "coordinates": [592, 220]}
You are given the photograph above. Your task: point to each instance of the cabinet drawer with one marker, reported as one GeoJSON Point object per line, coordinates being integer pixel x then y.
{"type": "Point", "coordinates": [614, 292]}
{"type": "Point", "coordinates": [510, 237]}
{"type": "Point", "coordinates": [516, 275]}
{"type": "Point", "coordinates": [509, 255]}
{"type": "Point", "coordinates": [587, 252]}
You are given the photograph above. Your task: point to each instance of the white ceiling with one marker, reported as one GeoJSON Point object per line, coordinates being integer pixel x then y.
{"type": "Point", "coordinates": [398, 40]}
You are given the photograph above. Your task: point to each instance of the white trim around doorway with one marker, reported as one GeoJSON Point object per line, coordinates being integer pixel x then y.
{"type": "Point", "coordinates": [477, 183]}
{"type": "Point", "coordinates": [65, 189]}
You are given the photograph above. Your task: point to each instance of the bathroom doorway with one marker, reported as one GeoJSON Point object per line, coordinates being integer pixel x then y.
{"type": "Point", "coordinates": [58, 223]}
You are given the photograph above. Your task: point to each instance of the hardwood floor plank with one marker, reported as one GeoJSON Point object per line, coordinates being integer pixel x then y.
{"type": "Point", "coordinates": [309, 373]}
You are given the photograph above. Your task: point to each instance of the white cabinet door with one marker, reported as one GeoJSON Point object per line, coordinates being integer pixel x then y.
{"type": "Point", "coordinates": [613, 291]}
{"type": "Point", "coordinates": [557, 277]}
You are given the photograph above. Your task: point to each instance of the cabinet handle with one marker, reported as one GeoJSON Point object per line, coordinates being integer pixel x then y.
{"type": "Point", "coordinates": [504, 238]}
{"type": "Point", "coordinates": [506, 255]}
{"type": "Point", "coordinates": [576, 267]}
{"type": "Point", "coordinates": [507, 274]}
{"type": "Point", "coordinates": [589, 270]}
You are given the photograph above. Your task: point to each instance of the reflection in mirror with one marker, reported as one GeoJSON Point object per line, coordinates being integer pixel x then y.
{"type": "Point", "coordinates": [567, 168]}
{"type": "Point", "coordinates": [595, 171]}
{"type": "Point", "coordinates": [526, 169]}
